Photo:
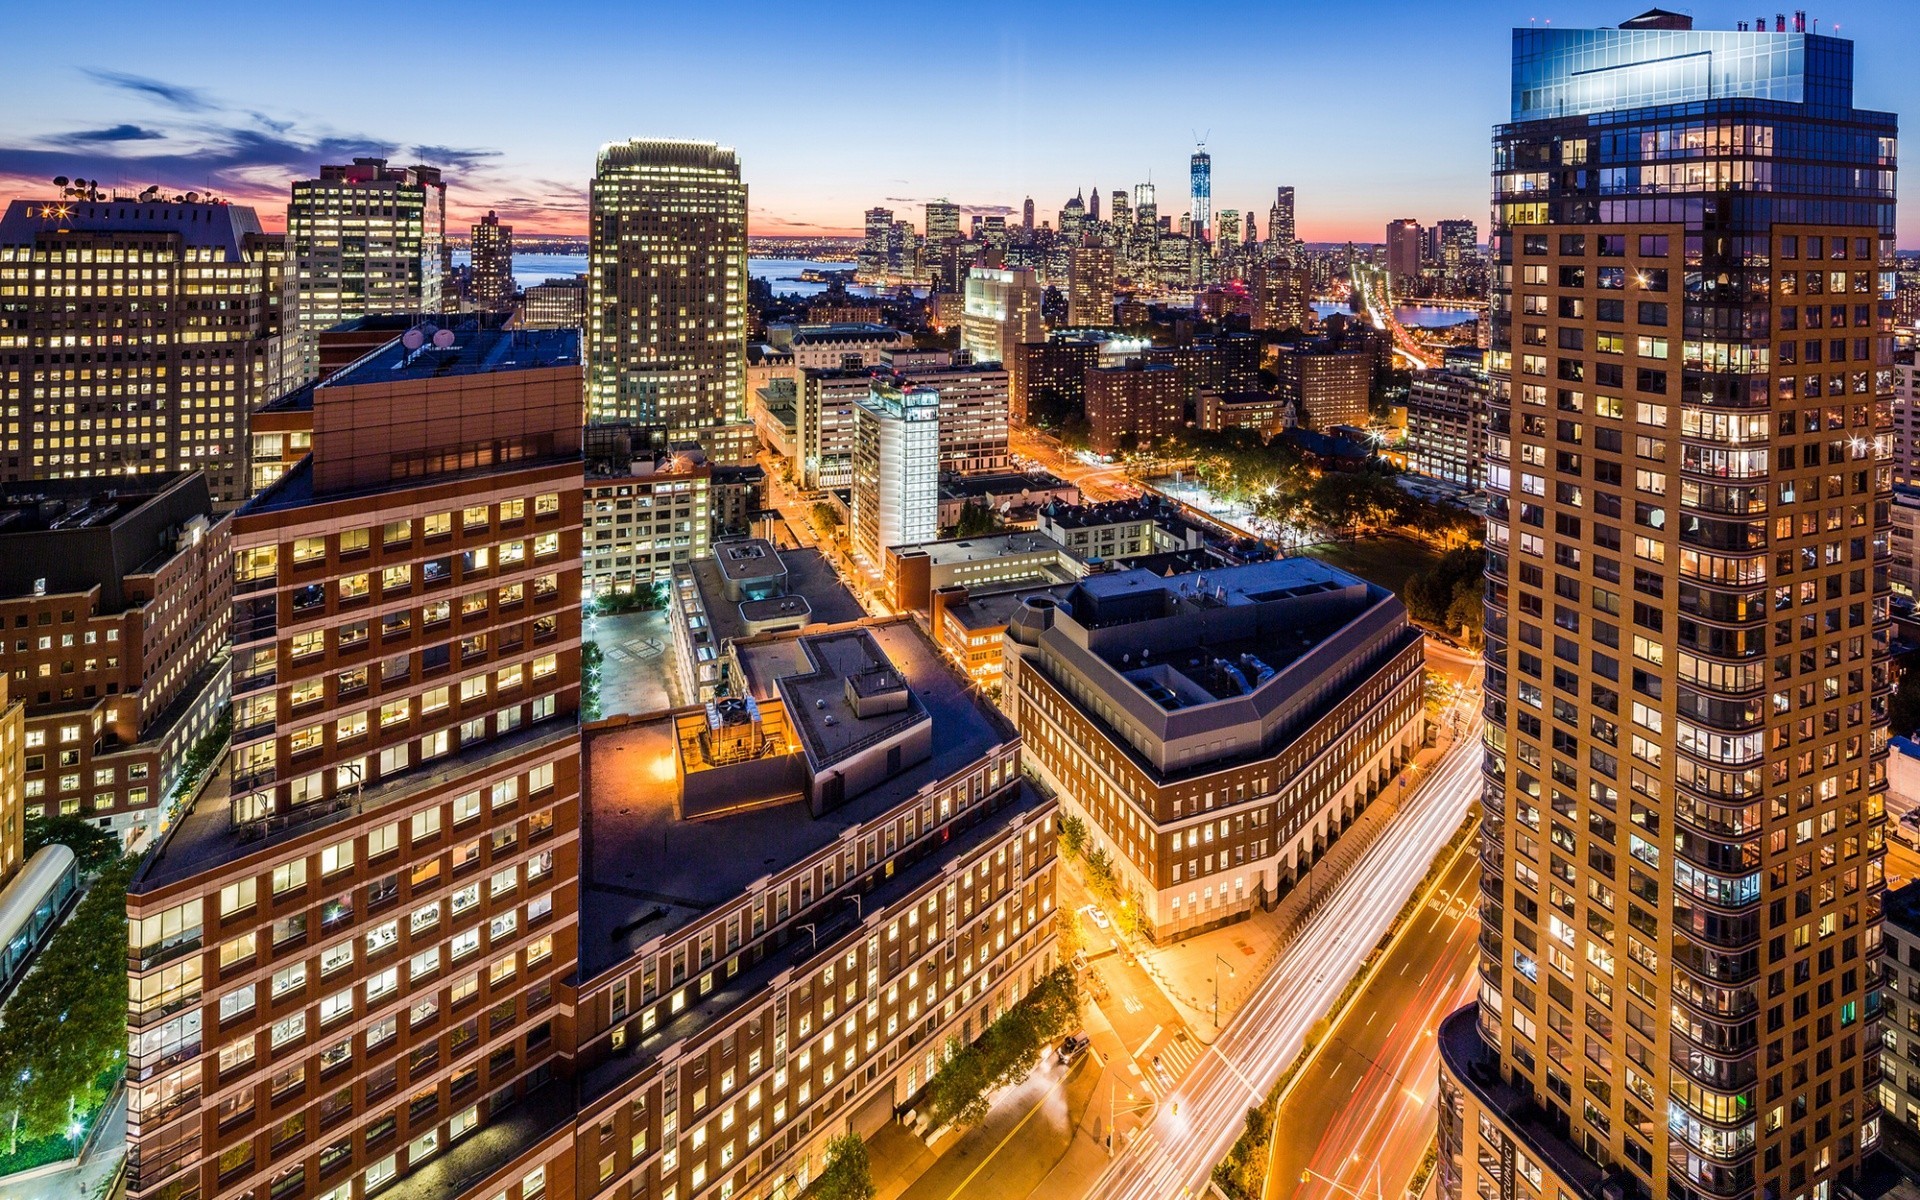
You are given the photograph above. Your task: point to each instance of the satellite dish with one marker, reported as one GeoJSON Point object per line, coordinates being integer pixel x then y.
{"type": "Point", "coordinates": [413, 339]}
{"type": "Point", "coordinates": [443, 339]}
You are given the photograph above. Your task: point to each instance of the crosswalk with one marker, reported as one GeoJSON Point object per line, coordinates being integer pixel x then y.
{"type": "Point", "coordinates": [1161, 1067]}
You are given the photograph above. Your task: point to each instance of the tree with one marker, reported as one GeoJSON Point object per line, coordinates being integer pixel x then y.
{"type": "Point", "coordinates": [66, 1024]}
{"type": "Point", "coordinates": [1073, 835]}
{"type": "Point", "coordinates": [977, 519]}
{"type": "Point", "coordinates": [848, 1174]}
{"type": "Point", "coordinates": [91, 845]}
{"type": "Point", "coordinates": [826, 520]}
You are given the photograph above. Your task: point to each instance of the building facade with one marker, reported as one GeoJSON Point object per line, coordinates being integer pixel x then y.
{"type": "Point", "coordinates": [555, 304]}
{"type": "Point", "coordinates": [1326, 385]}
{"type": "Point", "coordinates": [1687, 621]}
{"type": "Point", "coordinates": [1447, 425]}
{"type": "Point", "coordinates": [1002, 312]}
{"type": "Point", "coordinates": [492, 251]}
{"type": "Point", "coordinates": [1131, 405]}
{"type": "Point", "coordinates": [345, 977]}
{"type": "Point", "coordinates": [896, 467]}
{"type": "Point", "coordinates": [666, 334]}
{"type": "Point", "coordinates": [364, 238]}
{"type": "Point", "coordinates": [116, 605]}
{"type": "Point", "coordinates": [195, 286]}
{"type": "Point", "coordinates": [641, 517]}
{"type": "Point", "coordinates": [1213, 756]}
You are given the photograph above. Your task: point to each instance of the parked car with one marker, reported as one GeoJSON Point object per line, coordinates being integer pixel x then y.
{"type": "Point", "coordinates": [1097, 915]}
{"type": "Point", "coordinates": [1073, 1047]}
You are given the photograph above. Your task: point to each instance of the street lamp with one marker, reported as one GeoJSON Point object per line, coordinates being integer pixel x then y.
{"type": "Point", "coordinates": [1216, 990]}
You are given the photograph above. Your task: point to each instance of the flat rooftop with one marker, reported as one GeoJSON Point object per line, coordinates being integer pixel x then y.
{"type": "Point", "coordinates": [752, 558]}
{"type": "Point", "coordinates": [987, 546]}
{"type": "Point", "coordinates": [1003, 484]}
{"type": "Point", "coordinates": [818, 702]}
{"type": "Point", "coordinates": [809, 576]}
{"type": "Point", "coordinates": [991, 610]}
{"type": "Point", "coordinates": [1113, 512]}
{"type": "Point", "coordinates": [473, 351]}
{"type": "Point", "coordinates": [648, 872]}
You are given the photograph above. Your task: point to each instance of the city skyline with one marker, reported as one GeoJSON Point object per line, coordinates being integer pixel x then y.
{"type": "Point", "coordinates": [142, 105]}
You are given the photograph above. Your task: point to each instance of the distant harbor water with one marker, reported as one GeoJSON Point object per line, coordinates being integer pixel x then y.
{"type": "Point", "coordinates": [1409, 314]}
{"type": "Point", "coordinates": [783, 273]}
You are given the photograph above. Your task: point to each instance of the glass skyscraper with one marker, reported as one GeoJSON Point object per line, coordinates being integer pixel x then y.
{"type": "Point", "coordinates": [1686, 625]}
{"type": "Point", "coordinates": [1201, 174]}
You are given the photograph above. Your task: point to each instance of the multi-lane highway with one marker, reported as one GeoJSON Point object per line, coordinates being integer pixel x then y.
{"type": "Point", "coordinates": [1198, 1120]}
{"type": "Point", "coordinates": [1361, 1116]}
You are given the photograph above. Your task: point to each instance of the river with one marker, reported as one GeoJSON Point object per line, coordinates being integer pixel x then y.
{"type": "Point", "coordinates": [783, 273]}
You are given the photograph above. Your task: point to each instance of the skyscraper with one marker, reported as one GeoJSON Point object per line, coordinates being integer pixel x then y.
{"type": "Point", "coordinates": [152, 378]}
{"type": "Point", "coordinates": [1200, 172]}
{"type": "Point", "coordinates": [1026, 214]}
{"type": "Point", "coordinates": [363, 238]}
{"type": "Point", "coordinates": [873, 249]}
{"type": "Point", "coordinates": [1403, 252]}
{"type": "Point", "coordinates": [1093, 204]}
{"type": "Point", "coordinates": [492, 249]}
{"type": "Point", "coordinates": [943, 221]}
{"type": "Point", "coordinates": [667, 292]}
{"type": "Point", "coordinates": [1687, 621]}
{"type": "Point", "coordinates": [1090, 285]}
{"type": "Point", "coordinates": [1280, 230]}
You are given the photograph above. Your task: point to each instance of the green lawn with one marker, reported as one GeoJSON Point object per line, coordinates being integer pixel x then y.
{"type": "Point", "coordinates": [1387, 560]}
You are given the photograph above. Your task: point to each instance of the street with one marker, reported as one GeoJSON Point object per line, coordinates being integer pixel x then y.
{"type": "Point", "coordinates": [1097, 483]}
{"type": "Point", "coordinates": [1362, 1114]}
{"type": "Point", "coordinates": [1194, 1125]}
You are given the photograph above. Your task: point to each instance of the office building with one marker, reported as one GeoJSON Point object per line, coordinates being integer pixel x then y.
{"type": "Point", "coordinates": [1002, 312]}
{"type": "Point", "coordinates": [1458, 241]}
{"type": "Point", "coordinates": [1404, 240]}
{"type": "Point", "coordinates": [871, 786]}
{"type": "Point", "coordinates": [1326, 385]}
{"type": "Point", "coordinates": [1131, 405]}
{"type": "Point", "coordinates": [1903, 566]}
{"type": "Point", "coordinates": [115, 595]}
{"type": "Point", "coordinates": [1026, 215]}
{"type": "Point", "coordinates": [642, 514]}
{"type": "Point", "coordinates": [1687, 620]}
{"type": "Point", "coordinates": [896, 466]}
{"type": "Point", "coordinates": [1906, 418]}
{"type": "Point", "coordinates": [1200, 180]}
{"type": "Point", "coordinates": [872, 263]}
{"type": "Point", "coordinates": [349, 974]}
{"type": "Point", "coordinates": [1899, 1085]}
{"type": "Point", "coordinates": [1447, 425]}
{"type": "Point", "coordinates": [1231, 682]}
{"type": "Point", "coordinates": [555, 304]}
{"type": "Point", "coordinates": [200, 283]}
{"type": "Point", "coordinates": [1090, 272]}
{"type": "Point", "coordinates": [1281, 239]}
{"type": "Point", "coordinates": [973, 406]}
{"type": "Point", "coordinates": [491, 248]}
{"type": "Point", "coordinates": [363, 238]}
{"type": "Point", "coordinates": [667, 293]}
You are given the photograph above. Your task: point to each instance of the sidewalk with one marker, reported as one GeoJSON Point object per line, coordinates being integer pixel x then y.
{"type": "Point", "coordinates": [1184, 970]}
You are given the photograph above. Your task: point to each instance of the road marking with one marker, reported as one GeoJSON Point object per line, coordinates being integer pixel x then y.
{"type": "Point", "coordinates": [1256, 1093]}
{"type": "Point", "coordinates": [1148, 1042]}
{"type": "Point", "coordinates": [1131, 1003]}
{"type": "Point", "coordinates": [1335, 1071]}
{"type": "Point", "coordinates": [1371, 1014]}
{"type": "Point", "coordinates": [995, 1152]}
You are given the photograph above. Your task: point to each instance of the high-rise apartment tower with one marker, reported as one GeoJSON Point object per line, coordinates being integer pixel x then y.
{"type": "Point", "coordinates": [1687, 622]}
{"type": "Point", "coordinates": [492, 248]}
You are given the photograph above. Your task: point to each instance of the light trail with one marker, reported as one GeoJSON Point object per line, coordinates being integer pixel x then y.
{"type": "Point", "coordinates": [1175, 1154]}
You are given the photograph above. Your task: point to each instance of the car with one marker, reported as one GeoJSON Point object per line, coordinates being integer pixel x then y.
{"type": "Point", "coordinates": [1073, 1046]}
{"type": "Point", "coordinates": [1911, 817]}
{"type": "Point", "coordinates": [1097, 915]}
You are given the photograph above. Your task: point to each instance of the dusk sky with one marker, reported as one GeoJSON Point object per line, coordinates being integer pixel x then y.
{"type": "Point", "coordinates": [1371, 110]}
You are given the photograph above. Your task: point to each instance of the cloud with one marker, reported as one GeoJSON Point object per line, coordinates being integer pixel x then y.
{"type": "Point", "coordinates": [455, 157]}
{"type": "Point", "coordinates": [186, 99]}
{"type": "Point", "coordinates": [116, 133]}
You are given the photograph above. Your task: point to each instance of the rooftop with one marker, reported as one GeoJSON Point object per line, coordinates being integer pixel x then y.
{"type": "Point", "coordinates": [849, 671]}
{"type": "Point", "coordinates": [222, 227]}
{"type": "Point", "coordinates": [836, 334]}
{"type": "Point", "coordinates": [462, 352]}
{"type": "Point", "coordinates": [809, 576]}
{"type": "Point", "coordinates": [751, 558]}
{"type": "Point", "coordinates": [988, 545]}
{"type": "Point", "coordinates": [649, 872]}
{"type": "Point", "coordinates": [1009, 483]}
{"type": "Point", "coordinates": [71, 535]}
